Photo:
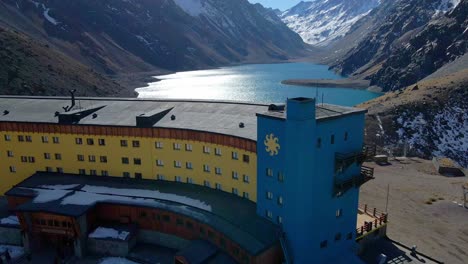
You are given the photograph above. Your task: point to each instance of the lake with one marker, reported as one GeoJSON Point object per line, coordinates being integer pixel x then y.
{"type": "Point", "coordinates": [253, 83]}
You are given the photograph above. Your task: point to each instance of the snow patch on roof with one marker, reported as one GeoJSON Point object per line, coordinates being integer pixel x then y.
{"type": "Point", "coordinates": [10, 220]}
{"type": "Point", "coordinates": [103, 232]}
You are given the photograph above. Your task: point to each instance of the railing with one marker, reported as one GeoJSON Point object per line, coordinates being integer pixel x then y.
{"type": "Point", "coordinates": [344, 160]}
{"type": "Point", "coordinates": [364, 176]}
{"type": "Point", "coordinates": [380, 219]}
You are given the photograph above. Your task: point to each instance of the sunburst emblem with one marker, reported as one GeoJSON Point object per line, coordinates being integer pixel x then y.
{"type": "Point", "coordinates": [271, 144]}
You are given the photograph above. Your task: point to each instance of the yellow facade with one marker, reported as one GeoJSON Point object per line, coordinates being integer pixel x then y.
{"type": "Point", "coordinates": [14, 170]}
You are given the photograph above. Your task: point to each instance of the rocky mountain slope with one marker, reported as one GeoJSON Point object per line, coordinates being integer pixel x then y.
{"type": "Point", "coordinates": [31, 67]}
{"type": "Point", "coordinates": [402, 39]}
{"type": "Point", "coordinates": [427, 119]}
{"type": "Point", "coordinates": [322, 22]}
{"type": "Point", "coordinates": [142, 35]}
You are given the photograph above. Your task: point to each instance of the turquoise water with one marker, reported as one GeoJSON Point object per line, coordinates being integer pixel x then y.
{"type": "Point", "coordinates": [253, 83]}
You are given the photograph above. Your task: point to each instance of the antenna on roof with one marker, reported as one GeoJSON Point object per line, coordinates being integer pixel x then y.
{"type": "Point", "coordinates": [68, 108]}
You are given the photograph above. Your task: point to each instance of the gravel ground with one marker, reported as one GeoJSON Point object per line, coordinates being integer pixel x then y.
{"type": "Point", "coordinates": [423, 208]}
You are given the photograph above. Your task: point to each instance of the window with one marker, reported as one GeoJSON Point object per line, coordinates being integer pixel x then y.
{"type": "Point", "coordinates": [217, 151]}
{"type": "Point", "coordinates": [218, 186]}
{"type": "Point", "coordinates": [158, 145]}
{"type": "Point", "coordinates": [166, 218]}
{"type": "Point", "coordinates": [126, 174]}
{"type": "Point", "coordinates": [137, 161]}
{"type": "Point", "coordinates": [188, 147]}
{"type": "Point", "coordinates": [346, 136]}
{"type": "Point", "coordinates": [206, 150]}
{"type": "Point", "coordinates": [101, 142]}
{"type": "Point", "coordinates": [235, 175]}
{"type": "Point", "coordinates": [31, 159]}
{"type": "Point", "coordinates": [246, 178]}
{"type": "Point", "coordinates": [104, 173]}
{"type": "Point", "coordinates": [319, 142]}
{"type": "Point", "coordinates": [93, 172]}
{"type": "Point", "coordinates": [177, 164]}
{"type": "Point", "coordinates": [245, 195]}
{"type": "Point", "coordinates": [20, 138]}
{"type": "Point", "coordinates": [218, 171]}
{"type": "Point", "coordinates": [56, 140]}
{"type": "Point", "coordinates": [160, 177]}
{"type": "Point", "coordinates": [206, 168]}
{"type": "Point", "coordinates": [138, 176]}
{"type": "Point", "coordinates": [12, 169]}
{"type": "Point", "coordinates": [235, 191]}
{"type": "Point", "coordinates": [90, 141]}
{"type": "Point", "coordinates": [80, 157]}
{"type": "Point", "coordinates": [269, 195]}
{"type": "Point", "coordinates": [58, 156]}
{"type": "Point", "coordinates": [189, 180]}
{"type": "Point", "coordinates": [7, 138]}
{"type": "Point", "coordinates": [338, 237]}
{"type": "Point", "coordinates": [188, 165]}
{"type": "Point", "coordinates": [178, 179]}
{"type": "Point", "coordinates": [332, 139]}
{"type": "Point", "coordinates": [82, 171]}
{"type": "Point", "coordinates": [9, 153]}
{"type": "Point", "coordinates": [176, 146]}
{"type": "Point", "coordinates": [349, 236]}
{"type": "Point", "coordinates": [206, 183]}
{"type": "Point", "coordinates": [246, 158]}
{"type": "Point", "coordinates": [189, 225]}
{"type": "Point", "coordinates": [179, 222]}
{"type": "Point", "coordinates": [280, 200]}
{"type": "Point", "coordinates": [103, 159]}
{"type": "Point", "coordinates": [123, 143]}
{"type": "Point", "coordinates": [222, 242]}
{"type": "Point", "coordinates": [24, 159]}
{"type": "Point", "coordinates": [45, 139]}
{"type": "Point", "coordinates": [28, 138]}
{"type": "Point", "coordinates": [92, 158]}
{"type": "Point", "coordinates": [49, 169]}
{"type": "Point", "coordinates": [338, 213]}
{"type": "Point", "coordinates": [269, 214]}
{"type": "Point", "coordinates": [280, 177]}
{"type": "Point", "coordinates": [79, 141]}
{"type": "Point", "coordinates": [279, 219]}
{"type": "Point", "coordinates": [234, 155]}
{"type": "Point", "coordinates": [323, 244]}
{"type": "Point", "coordinates": [143, 214]}
{"type": "Point", "coordinates": [269, 172]}
{"type": "Point", "coordinates": [202, 230]}
{"type": "Point", "coordinates": [125, 160]}
{"type": "Point", "coordinates": [136, 143]}
{"type": "Point", "coordinates": [159, 163]}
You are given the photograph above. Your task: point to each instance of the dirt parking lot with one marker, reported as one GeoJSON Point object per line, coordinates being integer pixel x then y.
{"type": "Point", "coordinates": [424, 208]}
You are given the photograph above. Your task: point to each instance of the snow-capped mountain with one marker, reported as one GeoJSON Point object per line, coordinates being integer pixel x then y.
{"type": "Point", "coordinates": [322, 21]}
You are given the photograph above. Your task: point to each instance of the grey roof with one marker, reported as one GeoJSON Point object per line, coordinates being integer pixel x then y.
{"type": "Point", "coordinates": [198, 251]}
{"type": "Point", "coordinates": [322, 112]}
{"type": "Point", "coordinates": [221, 117]}
{"type": "Point", "coordinates": [230, 214]}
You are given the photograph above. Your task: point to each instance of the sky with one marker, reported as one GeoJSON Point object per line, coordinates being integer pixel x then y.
{"type": "Point", "coordinates": [281, 4]}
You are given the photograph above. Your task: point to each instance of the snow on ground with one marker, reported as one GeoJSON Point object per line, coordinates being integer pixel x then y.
{"type": "Point", "coordinates": [103, 232]}
{"type": "Point", "coordinates": [114, 260]}
{"type": "Point", "coordinates": [49, 18]}
{"type": "Point", "coordinates": [148, 194]}
{"type": "Point", "coordinates": [60, 186]}
{"type": "Point", "coordinates": [14, 251]}
{"type": "Point", "coordinates": [10, 220]}
{"type": "Point", "coordinates": [191, 7]}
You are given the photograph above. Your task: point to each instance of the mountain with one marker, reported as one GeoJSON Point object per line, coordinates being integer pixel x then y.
{"type": "Point", "coordinates": [322, 22]}
{"type": "Point", "coordinates": [397, 49]}
{"type": "Point", "coordinates": [122, 36]}
{"type": "Point", "coordinates": [33, 68]}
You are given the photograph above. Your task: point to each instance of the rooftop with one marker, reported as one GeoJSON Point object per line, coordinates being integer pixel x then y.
{"type": "Point", "coordinates": [73, 195]}
{"type": "Point", "coordinates": [221, 117]}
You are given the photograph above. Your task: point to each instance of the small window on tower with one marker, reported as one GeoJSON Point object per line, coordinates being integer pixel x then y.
{"type": "Point", "coordinates": [323, 244]}
{"type": "Point", "coordinates": [332, 139]}
{"type": "Point", "coordinates": [346, 136]}
{"type": "Point", "coordinates": [338, 237]}
{"type": "Point", "coordinates": [319, 142]}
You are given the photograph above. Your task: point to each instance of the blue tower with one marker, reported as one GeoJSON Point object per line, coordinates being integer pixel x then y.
{"type": "Point", "coordinates": [308, 172]}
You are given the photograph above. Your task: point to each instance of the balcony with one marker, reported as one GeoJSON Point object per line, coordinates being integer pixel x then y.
{"type": "Point", "coordinates": [344, 160]}
{"type": "Point", "coordinates": [343, 185]}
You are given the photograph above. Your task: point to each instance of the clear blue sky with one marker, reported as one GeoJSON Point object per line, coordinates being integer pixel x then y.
{"type": "Point", "coordinates": [281, 4]}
